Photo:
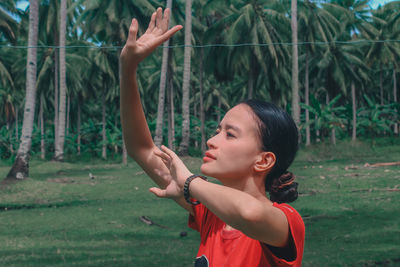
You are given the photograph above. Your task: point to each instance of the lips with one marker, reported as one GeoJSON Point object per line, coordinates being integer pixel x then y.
{"type": "Point", "coordinates": [209, 155]}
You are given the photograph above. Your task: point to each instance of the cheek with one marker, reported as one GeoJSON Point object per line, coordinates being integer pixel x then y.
{"type": "Point", "coordinates": [234, 158]}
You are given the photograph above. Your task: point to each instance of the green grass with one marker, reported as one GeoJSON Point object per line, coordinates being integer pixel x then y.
{"type": "Point", "coordinates": [61, 217]}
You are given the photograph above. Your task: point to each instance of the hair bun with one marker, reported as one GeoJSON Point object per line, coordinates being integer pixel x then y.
{"type": "Point", "coordinates": [284, 188]}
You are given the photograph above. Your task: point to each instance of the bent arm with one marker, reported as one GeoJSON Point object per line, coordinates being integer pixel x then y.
{"type": "Point", "coordinates": [244, 212]}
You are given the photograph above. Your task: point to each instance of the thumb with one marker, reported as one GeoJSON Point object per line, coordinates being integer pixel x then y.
{"type": "Point", "coordinates": [171, 32]}
{"type": "Point", "coordinates": [158, 192]}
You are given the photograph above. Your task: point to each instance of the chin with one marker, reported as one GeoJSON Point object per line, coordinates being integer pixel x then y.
{"type": "Point", "coordinates": [206, 170]}
{"type": "Point", "coordinates": [203, 169]}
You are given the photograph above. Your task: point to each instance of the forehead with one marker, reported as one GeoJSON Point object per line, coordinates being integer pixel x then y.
{"type": "Point", "coordinates": [242, 117]}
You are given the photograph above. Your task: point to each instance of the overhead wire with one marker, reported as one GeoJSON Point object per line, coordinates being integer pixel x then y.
{"type": "Point", "coordinates": [353, 42]}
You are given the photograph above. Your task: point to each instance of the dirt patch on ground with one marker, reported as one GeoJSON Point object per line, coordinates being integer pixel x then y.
{"type": "Point", "coordinates": [69, 180]}
{"type": "Point", "coordinates": [62, 180]}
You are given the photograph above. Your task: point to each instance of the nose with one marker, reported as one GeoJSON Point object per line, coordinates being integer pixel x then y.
{"type": "Point", "coordinates": [211, 143]}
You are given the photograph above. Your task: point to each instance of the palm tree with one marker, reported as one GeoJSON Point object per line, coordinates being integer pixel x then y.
{"type": "Point", "coordinates": [110, 21]}
{"type": "Point", "coordinates": [161, 95]}
{"type": "Point", "coordinates": [295, 66]}
{"type": "Point", "coordinates": [59, 153]}
{"type": "Point", "coordinates": [315, 24]}
{"type": "Point", "coordinates": [20, 168]}
{"type": "Point", "coordinates": [266, 25]}
{"type": "Point", "coordinates": [387, 22]}
{"type": "Point", "coordinates": [184, 145]}
{"type": "Point", "coordinates": [396, 125]}
{"type": "Point", "coordinates": [343, 64]}
{"type": "Point", "coordinates": [8, 28]}
{"type": "Point", "coordinates": [8, 24]}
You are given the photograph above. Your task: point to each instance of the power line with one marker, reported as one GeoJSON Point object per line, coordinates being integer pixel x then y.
{"type": "Point", "coordinates": [356, 42]}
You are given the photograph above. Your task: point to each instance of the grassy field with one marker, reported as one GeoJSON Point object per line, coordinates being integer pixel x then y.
{"type": "Point", "coordinates": [62, 217]}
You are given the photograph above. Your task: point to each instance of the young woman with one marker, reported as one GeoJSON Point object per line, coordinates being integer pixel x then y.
{"type": "Point", "coordinates": [253, 146]}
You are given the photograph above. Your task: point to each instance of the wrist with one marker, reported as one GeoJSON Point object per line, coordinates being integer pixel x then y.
{"type": "Point", "coordinates": [186, 188]}
{"type": "Point", "coordinates": [129, 68]}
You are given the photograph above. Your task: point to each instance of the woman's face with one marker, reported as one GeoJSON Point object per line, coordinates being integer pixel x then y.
{"type": "Point", "coordinates": [236, 146]}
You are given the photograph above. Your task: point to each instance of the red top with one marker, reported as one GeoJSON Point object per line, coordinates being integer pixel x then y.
{"type": "Point", "coordinates": [220, 247]}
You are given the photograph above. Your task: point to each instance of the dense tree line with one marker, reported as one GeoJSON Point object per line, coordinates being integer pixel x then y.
{"type": "Point", "coordinates": [348, 65]}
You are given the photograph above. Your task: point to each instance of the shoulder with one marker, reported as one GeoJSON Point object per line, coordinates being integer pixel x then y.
{"type": "Point", "coordinates": [296, 227]}
{"type": "Point", "coordinates": [293, 217]}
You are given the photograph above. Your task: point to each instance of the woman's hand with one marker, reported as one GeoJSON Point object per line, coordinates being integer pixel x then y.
{"type": "Point", "coordinates": [157, 32]}
{"type": "Point", "coordinates": [178, 173]}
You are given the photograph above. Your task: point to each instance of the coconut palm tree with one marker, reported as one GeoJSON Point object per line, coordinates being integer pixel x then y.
{"type": "Point", "coordinates": [184, 145]}
{"type": "Point", "coordinates": [315, 24]}
{"type": "Point", "coordinates": [161, 95]}
{"type": "Point", "coordinates": [386, 20]}
{"type": "Point", "coordinates": [20, 168]}
{"type": "Point", "coordinates": [8, 24]}
{"type": "Point", "coordinates": [59, 151]}
{"type": "Point", "coordinates": [295, 65]}
{"type": "Point", "coordinates": [110, 21]}
{"type": "Point", "coordinates": [266, 26]}
{"type": "Point", "coordinates": [8, 28]}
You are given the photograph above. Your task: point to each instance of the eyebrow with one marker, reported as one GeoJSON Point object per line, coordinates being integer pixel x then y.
{"type": "Point", "coordinates": [230, 126]}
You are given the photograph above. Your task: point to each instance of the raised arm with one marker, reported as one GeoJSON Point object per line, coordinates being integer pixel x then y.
{"type": "Point", "coordinates": [136, 133]}
{"type": "Point", "coordinates": [138, 140]}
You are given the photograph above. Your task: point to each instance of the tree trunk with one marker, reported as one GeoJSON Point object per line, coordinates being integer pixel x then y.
{"type": "Point", "coordinates": [161, 96]}
{"type": "Point", "coordinates": [103, 115]}
{"type": "Point", "coordinates": [56, 90]}
{"type": "Point", "coordinates": [295, 66]}
{"type": "Point", "coordinates": [202, 115]}
{"type": "Point", "coordinates": [10, 138]}
{"type": "Point", "coordinates": [333, 131]}
{"type": "Point", "coordinates": [124, 153]}
{"type": "Point", "coordinates": [307, 101]}
{"type": "Point", "coordinates": [171, 111]}
{"type": "Point", "coordinates": [250, 81]}
{"type": "Point", "coordinates": [16, 123]}
{"type": "Point", "coordinates": [353, 98]}
{"type": "Point", "coordinates": [59, 153]}
{"type": "Point", "coordinates": [68, 113]}
{"type": "Point", "coordinates": [42, 143]}
{"type": "Point", "coordinates": [78, 129]}
{"type": "Point", "coordinates": [381, 83]}
{"type": "Point", "coordinates": [20, 168]}
{"type": "Point", "coordinates": [183, 148]}
{"type": "Point", "coordinates": [396, 125]}
{"type": "Point", "coordinates": [124, 150]}
{"type": "Point", "coordinates": [115, 127]}
{"type": "Point", "coordinates": [317, 132]}
{"type": "Point", "coordinates": [219, 110]}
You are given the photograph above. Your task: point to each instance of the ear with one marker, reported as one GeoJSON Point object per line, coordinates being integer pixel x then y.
{"type": "Point", "coordinates": [265, 162]}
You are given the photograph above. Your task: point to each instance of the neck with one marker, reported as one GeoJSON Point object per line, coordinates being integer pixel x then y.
{"type": "Point", "coordinates": [252, 185]}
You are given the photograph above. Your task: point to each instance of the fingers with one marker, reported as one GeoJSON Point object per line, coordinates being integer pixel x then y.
{"type": "Point", "coordinates": [159, 17]}
{"type": "Point", "coordinates": [160, 21]}
{"type": "Point", "coordinates": [133, 29]}
{"type": "Point", "coordinates": [171, 32]}
{"type": "Point", "coordinates": [152, 23]}
{"type": "Point", "coordinates": [165, 22]}
{"type": "Point", "coordinates": [162, 155]}
{"type": "Point", "coordinates": [158, 192]}
{"type": "Point", "coordinates": [169, 152]}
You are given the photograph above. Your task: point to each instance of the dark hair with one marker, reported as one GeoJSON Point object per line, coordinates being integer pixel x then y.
{"type": "Point", "coordinates": [279, 135]}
